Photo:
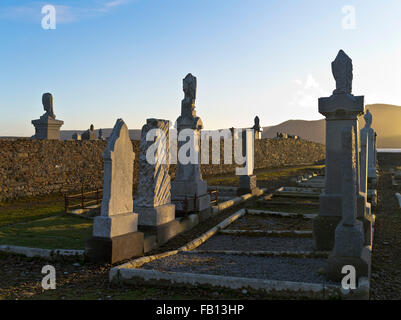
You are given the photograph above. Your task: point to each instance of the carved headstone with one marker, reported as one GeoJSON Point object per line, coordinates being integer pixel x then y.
{"type": "Point", "coordinates": [89, 134]}
{"type": "Point", "coordinates": [47, 127]}
{"type": "Point", "coordinates": [257, 129]}
{"type": "Point", "coordinates": [153, 197]}
{"type": "Point", "coordinates": [115, 235]}
{"type": "Point", "coordinates": [188, 184]}
{"type": "Point", "coordinates": [342, 72]}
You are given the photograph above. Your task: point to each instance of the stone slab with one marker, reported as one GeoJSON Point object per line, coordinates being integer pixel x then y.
{"type": "Point", "coordinates": [162, 232]}
{"type": "Point", "coordinates": [112, 250]}
{"type": "Point", "coordinates": [155, 216]}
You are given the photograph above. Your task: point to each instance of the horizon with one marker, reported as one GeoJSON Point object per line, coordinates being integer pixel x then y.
{"type": "Point", "coordinates": [127, 58]}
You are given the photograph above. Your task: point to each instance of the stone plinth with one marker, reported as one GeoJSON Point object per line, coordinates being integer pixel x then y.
{"type": "Point", "coordinates": [47, 128]}
{"type": "Point", "coordinates": [115, 235]}
{"type": "Point", "coordinates": [247, 184]}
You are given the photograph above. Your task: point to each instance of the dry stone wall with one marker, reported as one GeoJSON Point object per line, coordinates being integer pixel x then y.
{"type": "Point", "coordinates": [31, 167]}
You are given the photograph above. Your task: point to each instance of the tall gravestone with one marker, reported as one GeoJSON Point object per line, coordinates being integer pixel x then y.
{"type": "Point", "coordinates": [368, 132]}
{"type": "Point", "coordinates": [247, 180]}
{"type": "Point", "coordinates": [153, 197]}
{"type": "Point", "coordinates": [189, 190]}
{"type": "Point", "coordinates": [47, 127]}
{"type": "Point", "coordinates": [349, 248]}
{"type": "Point", "coordinates": [341, 110]}
{"type": "Point", "coordinates": [115, 237]}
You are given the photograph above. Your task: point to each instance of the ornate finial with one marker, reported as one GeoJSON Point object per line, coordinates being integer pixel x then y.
{"type": "Point", "coordinates": [256, 126]}
{"type": "Point", "coordinates": [342, 72]}
{"type": "Point", "coordinates": [188, 104]}
{"type": "Point", "coordinates": [92, 128]}
{"type": "Point", "coordinates": [368, 119]}
{"type": "Point", "coordinates": [47, 101]}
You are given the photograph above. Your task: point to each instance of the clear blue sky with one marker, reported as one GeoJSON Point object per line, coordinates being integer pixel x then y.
{"type": "Point", "coordinates": [120, 58]}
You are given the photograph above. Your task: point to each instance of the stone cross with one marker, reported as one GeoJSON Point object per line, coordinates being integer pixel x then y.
{"type": "Point", "coordinates": [153, 197]}
{"type": "Point", "coordinates": [117, 215]}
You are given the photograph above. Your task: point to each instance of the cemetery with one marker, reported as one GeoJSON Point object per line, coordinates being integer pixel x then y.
{"type": "Point", "coordinates": [283, 223]}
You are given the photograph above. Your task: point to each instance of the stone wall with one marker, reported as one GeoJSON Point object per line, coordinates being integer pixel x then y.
{"type": "Point", "coordinates": [31, 167]}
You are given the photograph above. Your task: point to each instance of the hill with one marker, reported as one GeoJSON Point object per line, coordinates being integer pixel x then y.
{"type": "Point", "coordinates": [386, 122]}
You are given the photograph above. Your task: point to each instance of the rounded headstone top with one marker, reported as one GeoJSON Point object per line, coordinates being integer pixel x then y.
{"type": "Point", "coordinates": [92, 128]}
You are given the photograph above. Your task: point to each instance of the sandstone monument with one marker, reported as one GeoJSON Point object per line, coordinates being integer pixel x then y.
{"type": "Point", "coordinates": [341, 110]}
{"type": "Point", "coordinates": [153, 198]}
{"type": "Point", "coordinates": [115, 235]}
{"type": "Point", "coordinates": [188, 189]}
{"type": "Point", "coordinates": [47, 127]}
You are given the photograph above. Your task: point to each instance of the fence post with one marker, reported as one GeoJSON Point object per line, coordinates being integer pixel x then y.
{"type": "Point", "coordinates": [82, 198]}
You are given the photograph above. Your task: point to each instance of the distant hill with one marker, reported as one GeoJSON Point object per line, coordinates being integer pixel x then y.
{"type": "Point", "coordinates": [309, 130]}
{"type": "Point", "coordinates": [386, 122]}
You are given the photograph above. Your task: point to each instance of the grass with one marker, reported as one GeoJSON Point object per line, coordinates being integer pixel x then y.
{"type": "Point", "coordinates": [60, 232]}
{"type": "Point", "coordinates": [262, 174]}
{"type": "Point", "coordinates": [30, 209]}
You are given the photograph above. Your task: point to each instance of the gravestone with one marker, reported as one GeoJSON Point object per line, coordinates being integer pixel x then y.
{"type": "Point", "coordinates": [247, 180]}
{"type": "Point", "coordinates": [257, 129]}
{"type": "Point", "coordinates": [341, 110]}
{"type": "Point", "coordinates": [89, 134]}
{"type": "Point", "coordinates": [153, 198]}
{"type": "Point", "coordinates": [47, 127]}
{"type": "Point", "coordinates": [101, 137]}
{"type": "Point", "coordinates": [76, 136]}
{"type": "Point", "coordinates": [115, 237]}
{"type": "Point", "coordinates": [189, 190]}
{"type": "Point", "coordinates": [371, 136]}
{"type": "Point", "coordinates": [349, 240]}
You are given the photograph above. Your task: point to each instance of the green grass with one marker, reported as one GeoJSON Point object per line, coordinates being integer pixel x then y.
{"type": "Point", "coordinates": [30, 209]}
{"type": "Point", "coordinates": [60, 232]}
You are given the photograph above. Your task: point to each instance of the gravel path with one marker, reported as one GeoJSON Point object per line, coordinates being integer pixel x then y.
{"type": "Point", "coordinates": [226, 242]}
{"type": "Point", "coordinates": [273, 268]}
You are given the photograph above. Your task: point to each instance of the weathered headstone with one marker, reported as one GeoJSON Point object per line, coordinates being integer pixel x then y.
{"type": "Point", "coordinates": [247, 180]}
{"type": "Point", "coordinates": [368, 132]}
{"type": "Point", "coordinates": [89, 134]}
{"type": "Point", "coordinates": [115, 235]}
{"type": "Point", "coordinates": [101, 137]}
{"type": "Point", "coordinates": [341, 110]}
{"type": "Point", "coordinates": [153, 197]}
{"type": "Point", "coordinates": [188, 190]}
{"type": "Point", "coordinates": [349, 240]}
{"type": "Point", "coordinates": [47, 127]}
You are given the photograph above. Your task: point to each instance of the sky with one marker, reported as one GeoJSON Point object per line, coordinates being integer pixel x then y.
{"type": "Point", "coordinates": [109, 59]}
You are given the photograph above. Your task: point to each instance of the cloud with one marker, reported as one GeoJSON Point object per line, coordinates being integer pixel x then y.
{"type": "Point", "coordinates": [64, 13]}
{"type": "Point", "coordinates": [307, 92]}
